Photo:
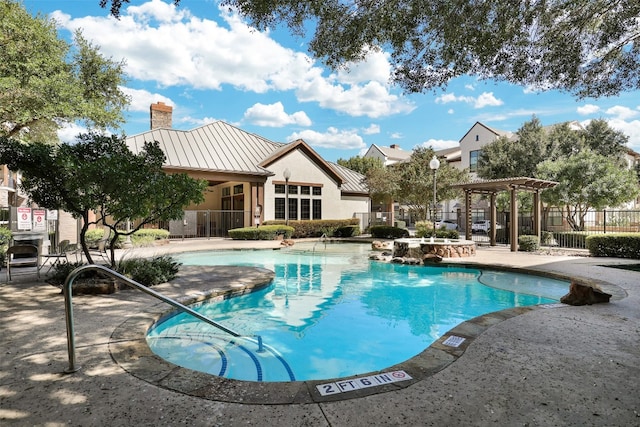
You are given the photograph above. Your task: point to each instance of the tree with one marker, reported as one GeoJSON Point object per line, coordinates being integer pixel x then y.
{"type": "Point", "coordinates": [100, 174]}
{"type": "Point", "coordinates": [587, 180]}
{"type": "Point", "coordinates": [45, 82]}
{"type": "Point", "coordinates": [415, 181]}
{"type": "Point", "coordinates": [590, 48]}
{"type": "Point", "coordinates": [604, 140]}
{"type": "Point", "coordinates": [361, 164]}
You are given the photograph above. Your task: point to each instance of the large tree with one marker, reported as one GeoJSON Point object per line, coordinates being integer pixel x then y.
{"type": "Point", "coordinates": [590, 48]}
{"type": "Point", "coordinates": [415, 181]}
{"type": "Point", "coordinates": [99, 174]}
{"type": "Point", "coordinates": [361, 164]}
{"type": "Point", "coordinates": [587, 180]}
{"type": "Point", "coordinates": [45, 82]}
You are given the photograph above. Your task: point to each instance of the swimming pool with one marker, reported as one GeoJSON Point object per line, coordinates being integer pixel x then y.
{"type": "Point", "coordinates": [335, 314]}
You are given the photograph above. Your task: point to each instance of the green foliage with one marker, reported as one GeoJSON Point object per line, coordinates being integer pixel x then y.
{"type": "Point", "coordinates": [587, 48]}
{"type": "Point", "coordinates": [61, 270]}
{"type": "Point", "coordinates": [151, 271]}
{"type": "Point", "coordinates": [45, 83]}
{"type": "Point", "coordinates": [388, 232]}
{"type": "Point", "coordinates": [100, 174]}
{"type": "Point", "coordinates": [5, 240]}
{"type": "Point", "coordinates": [140, 238]}
{"type": "Point", "coordinates": [415, 181]}
{"type": "Point", "coordinates": [264, 232]}
{"type": "Point", "coordinates": [546, 237]}
{"type": "Point", "coordinates": [382, 184]}
{"type": "Point", "coordinates": [620, 245]}
{"type": "Point", "coordinates": [361, 164]}
{"type": "Point", "coordinates": [587, 180]}
{"type": "Point", "coordinates": [425, 229]}
{"type": "Point", "coordinates": [347, 231]}
{"type": "Point", "coordinates": [316, 228]}
{"type": "Point", "coordinates": [528, 243]}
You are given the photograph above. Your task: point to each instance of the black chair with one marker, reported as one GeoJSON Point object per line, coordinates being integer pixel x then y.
{"type": "Point", "coordinates": [23, 256]}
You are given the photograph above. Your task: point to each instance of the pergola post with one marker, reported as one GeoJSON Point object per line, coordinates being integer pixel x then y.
{"type": "Point", "coordinates": [493, 217]}
{"type": "Point", "coordinates": [537, 226]}
{"type": "Point", "coordinates": [467, 208]}
{"type": "Point", "coordinates": [513, 231]}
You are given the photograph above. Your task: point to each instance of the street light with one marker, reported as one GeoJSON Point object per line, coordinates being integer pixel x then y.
{"type": "Point", "coordinates": [434, 164]}
{"type": "Point", "coordinates": [287, 175]}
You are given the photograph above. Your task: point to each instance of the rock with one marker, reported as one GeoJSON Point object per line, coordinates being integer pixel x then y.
{"type": "Point", "coordinates": [287, 242]}
{"type": "Point", "coordinates": [584, 294]}
{"type": "Point", "coordinates": [377, 245]}
{"type": "Point", "coordinates": [431, 259]}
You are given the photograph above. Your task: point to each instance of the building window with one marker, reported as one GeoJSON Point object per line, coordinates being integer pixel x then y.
{"type": "Point", "coordinates": [555, 217]}
{"type": "Point", "coordinates": [305, 208]}
{"type": "Point", "coordinates": [473, 160]}
{"type": "Point", "coordinates": [317, 191]}
{"type": "Point", "coordinates": [226, 191]}
{"type": "Point", "coordinates": [317, 209]}
{"type": "Point", "coordinates": [477, 137]}
{"type": "Point", "coordinates": [293, 189]}
{"type": "Point", "coordinates": [305, 189]}
{"type": "Point", "coordinates": [279, 188]}
{"type": "Point", "coordinates": [279, 208]}
{"type": "Point", "coordinates": [293, 209]}
{"type": "Point", "coordinates": [238, 189]}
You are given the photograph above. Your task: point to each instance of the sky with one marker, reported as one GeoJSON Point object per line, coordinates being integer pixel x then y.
{"type": "Point", "coordinates": [209, 65]}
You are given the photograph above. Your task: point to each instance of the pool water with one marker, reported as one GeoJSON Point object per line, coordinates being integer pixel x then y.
{"type": "Point", "coordinates": [335, 314]}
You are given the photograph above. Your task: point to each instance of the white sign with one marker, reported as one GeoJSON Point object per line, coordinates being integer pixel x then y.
{"type": "Point", "coordinates": [362, 382]}
{"type": "Point", "coordinates": [39, 222]}
{"type": "Point", "coordinates": [24, 218]}
{"type": "Point", "coordinates": [52, 214]}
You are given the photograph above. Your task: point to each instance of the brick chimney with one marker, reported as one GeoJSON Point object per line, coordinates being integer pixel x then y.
{"type": "Point", "coordinates": [160, 114]}
{"type": "Point", "coordinates": [395, 146]}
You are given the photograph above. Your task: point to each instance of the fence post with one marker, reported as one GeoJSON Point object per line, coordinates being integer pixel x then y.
{"type": "Point", "coordinates": [604, 224]}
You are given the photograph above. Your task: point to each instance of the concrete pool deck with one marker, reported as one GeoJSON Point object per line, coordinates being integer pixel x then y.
{"type": "Point", "coordinates": [576, 366]}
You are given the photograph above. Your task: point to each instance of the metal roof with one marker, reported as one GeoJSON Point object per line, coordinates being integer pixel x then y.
{"type": "Point", "coordinates": [353, 181]}
{"type": "Point", "coordinates": [217, 146]}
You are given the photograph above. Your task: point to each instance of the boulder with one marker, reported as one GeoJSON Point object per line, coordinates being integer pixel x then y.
{"type": "Point", "coordinates": [431, 259]}
{"type": "Point", "coordinates": [584, 294]}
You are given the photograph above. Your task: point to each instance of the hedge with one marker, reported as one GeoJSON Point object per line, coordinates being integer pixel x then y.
{"type": "Point", "coordinates": [264, 232]}
{"type": "Point", "coordinates": [142, 237]}
{"type": "Point", "coordinates": [388, 232]}
{"type": "Point", "coordinates": [317, 227]}
{"type": "Point", "coordinates": [619, 245]}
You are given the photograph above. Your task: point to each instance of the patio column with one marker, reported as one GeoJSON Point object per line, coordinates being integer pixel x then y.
{"type": "Point", "coordinates": [492, 217]}
{"type": "Point", "coordinates": [468, 220]}
{"type": "Point", "coordinates": [537, 228]}
{"type": "Point", "coordinates": [513, 232]}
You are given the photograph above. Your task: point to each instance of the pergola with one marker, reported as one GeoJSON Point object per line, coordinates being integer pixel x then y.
{"type": "Point", "coordinates": [492, 187]}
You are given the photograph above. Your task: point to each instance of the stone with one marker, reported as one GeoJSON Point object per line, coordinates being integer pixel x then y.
{"type": "Point", "coordinates": [431, 259]}
{"type": "Point", "coordinates": [584, 295]}
{"type": "Point", "coordinates": [377, 245]}
{"type": "Point", "coordinates": [287, 242]}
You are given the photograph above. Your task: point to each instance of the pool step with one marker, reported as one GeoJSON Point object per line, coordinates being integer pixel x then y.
{"type": "Point", "coordinates": [241, 358]}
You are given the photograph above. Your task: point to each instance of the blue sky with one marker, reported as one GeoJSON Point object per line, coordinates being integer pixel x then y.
{"type": "Point", "coordinates": [209, 65]}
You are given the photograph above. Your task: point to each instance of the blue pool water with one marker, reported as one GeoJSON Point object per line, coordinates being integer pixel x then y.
{"type": "Point", "coordinates": [335, 314]}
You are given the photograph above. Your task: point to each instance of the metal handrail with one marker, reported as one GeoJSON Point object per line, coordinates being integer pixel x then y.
{"type": "Point", "coordinates": [68, 307]}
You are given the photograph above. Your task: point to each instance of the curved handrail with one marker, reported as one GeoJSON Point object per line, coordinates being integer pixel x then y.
{"type": "Point", "coordinates": [68, 307]}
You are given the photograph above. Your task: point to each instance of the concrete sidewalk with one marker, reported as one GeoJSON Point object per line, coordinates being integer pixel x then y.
{"type": "Point", "coordinates": [577, 366]}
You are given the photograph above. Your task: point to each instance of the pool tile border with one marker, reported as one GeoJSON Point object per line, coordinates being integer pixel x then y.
{"type": "Point", "coordinates": [130, 351]}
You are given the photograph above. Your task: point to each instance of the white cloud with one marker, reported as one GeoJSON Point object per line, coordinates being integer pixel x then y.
{"type": "Point", "coordinates": [332, 138]}
{"type": "Point", "coordinates": [274, 116]}
{"type": "Point", "coordinates": [396, 135]}
{"type": "Point", "coordinates": [167, 45]}
{"type": "Point", "coordinates": [450, 111]}
{"type": "Point", "coordinates": [69, 132]}
{"type": "Point", "coordinates": [141, 99]}
{"type": "Point", "coordinates": [588, 109]}
{"type": "Point", "coordinates": [469, 87]}
{"type": "Point", "coordinates": [486, 99]}
{"type": "Point", "coordinates": [440, 144]}
{"type": "Point", "coordinates": [629, 128]}
{"type": "Point", "coordinates": [622, 113]}
{"type": "Point", "coordinates": [373, 129]}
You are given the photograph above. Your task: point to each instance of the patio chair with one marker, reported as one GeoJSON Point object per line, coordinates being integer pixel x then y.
{"type": "Point", "coordinates": [59, 256]}
{"type": "Point", "coordinates": [23, 256]}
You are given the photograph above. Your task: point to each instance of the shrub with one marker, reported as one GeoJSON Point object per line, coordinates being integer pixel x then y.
{"type": "Point", "coordinates": [424, 228]}
{"type": "Point", "coordinates": [316, 228]}
{"type": "Point", "coordinates": [347, 231]}
{"type": "Point", "coordinates": [62, 270]}
{"type": "Point", "coordinates": [142, 237]}
{"type": "Point", "coordinates": [264, 232]}
{"type": "Point", "coordinates": [149, 271]}
{"type": "Point", "coordinates": [388, 232]}
{"type": "Point", "coordinates": [5, 239]}
{"type": "Point", "coordinates": [528, 243]}
{"type": "Point", "coordinates": [620, 245]}
{"type": "Point", "coordinates": [546, 238]}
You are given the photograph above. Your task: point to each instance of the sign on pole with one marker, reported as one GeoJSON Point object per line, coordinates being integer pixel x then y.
{"type": "Point", "coordinates": [24, 218]}
{"type": "Point", "coordinates": [39, 223]}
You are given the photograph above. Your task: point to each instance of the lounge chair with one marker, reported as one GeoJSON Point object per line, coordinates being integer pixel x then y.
{"type": "Point", "coordinates": [22, 256]}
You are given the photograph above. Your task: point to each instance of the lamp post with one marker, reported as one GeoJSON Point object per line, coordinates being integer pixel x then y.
{"type": "Point", "coordinates": [287, 175]}
{"type": "Point", "coordinates": [434, 164]}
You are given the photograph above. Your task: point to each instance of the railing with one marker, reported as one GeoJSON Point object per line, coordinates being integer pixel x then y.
{"type": "Point", "coordinates": [68, 308]}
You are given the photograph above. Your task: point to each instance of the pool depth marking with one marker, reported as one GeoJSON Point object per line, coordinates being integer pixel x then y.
{"type": "Point", "coordinates": [362, 382]}
{"type": "Point", "coordinates": [453, 341]}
